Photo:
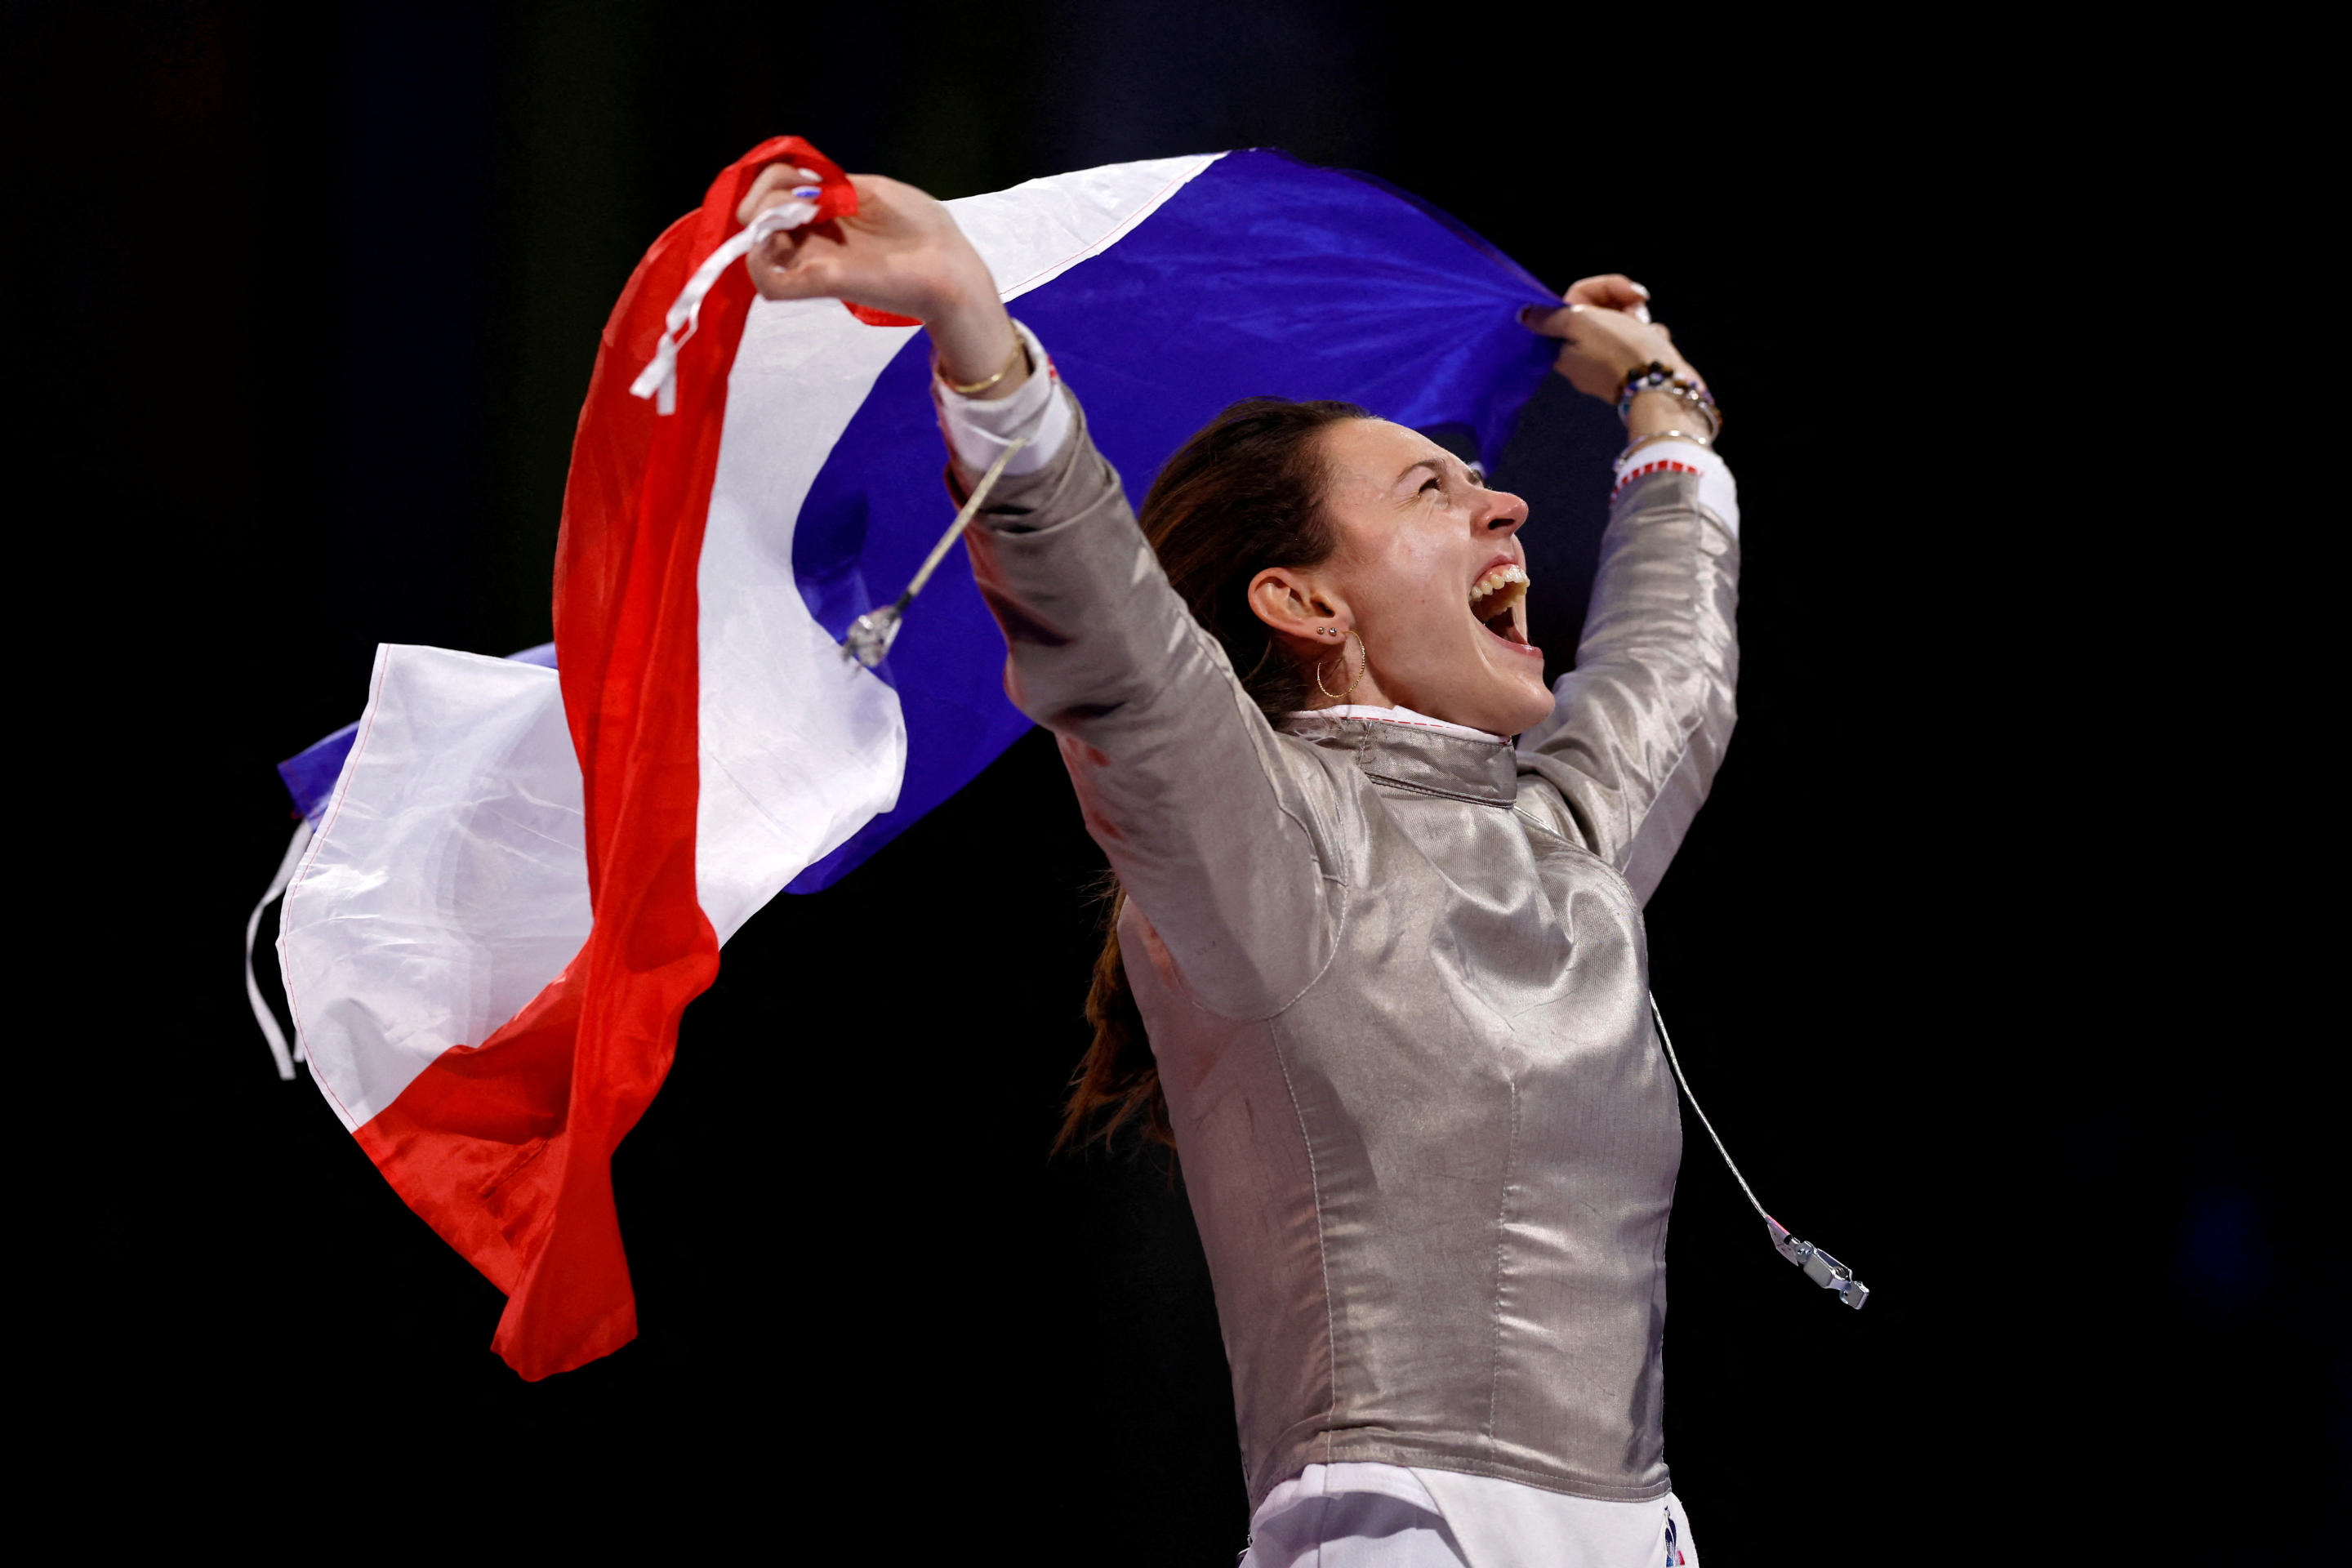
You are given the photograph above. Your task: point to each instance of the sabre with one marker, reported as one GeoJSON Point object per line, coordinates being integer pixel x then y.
{"type": "Point", "coordinates": [871, 633]}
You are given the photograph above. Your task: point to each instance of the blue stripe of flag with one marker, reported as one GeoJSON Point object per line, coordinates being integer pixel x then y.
{"type": "Point", "coordinates": [1262, 276]}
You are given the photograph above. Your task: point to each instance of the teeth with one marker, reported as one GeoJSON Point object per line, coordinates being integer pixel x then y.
{"type": "Point", "coordinates": [1496, 581]}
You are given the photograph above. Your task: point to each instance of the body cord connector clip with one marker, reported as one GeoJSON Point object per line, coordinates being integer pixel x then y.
{"type": "Point", "coordinates": [1820, 1268]}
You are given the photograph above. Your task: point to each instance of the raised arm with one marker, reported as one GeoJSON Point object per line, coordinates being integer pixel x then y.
{"type": "Point", "coordinates": [1641, 724]}
{"type": "Point", "coordinates": [1216, 828]}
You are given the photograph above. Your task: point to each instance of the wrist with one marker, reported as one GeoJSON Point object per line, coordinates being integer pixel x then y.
{"type": "Point", "coordinates": [1653, 413]}
{"type": "Point", "coordinates": [973, 341]}
{"type": "Point", "coordinates": [1667, 394]}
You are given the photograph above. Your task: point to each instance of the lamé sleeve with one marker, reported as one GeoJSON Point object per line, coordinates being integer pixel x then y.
{"type": "Point", "coordinates": [1641, 722]}
{"type": "Point", "coordinates": [1219, 830]}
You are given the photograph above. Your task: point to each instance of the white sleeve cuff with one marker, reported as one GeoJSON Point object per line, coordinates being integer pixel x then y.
{"type": "Point", "coordinates": [1717, 491]}
{"type": "Point", "coordinates": [978, 431]}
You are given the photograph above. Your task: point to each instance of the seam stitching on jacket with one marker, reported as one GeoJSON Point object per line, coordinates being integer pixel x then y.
{"type": "Point", "coordinates": [1439, 725]}
{"type": "Point", "coordinates": [1322, 1248]}
{"type": "Point", "coordinates": [1440, 794]}
{"type": "Point", "coordinates": [1634, 834]}
{"type": "Point", "coordinates": [1532, 820]}
{"type": "Point", "coordinates": [1322, 845]}
{"type": "Point", "coordinates": [1338, 933]}
{"type": "Point", "coordinates": [1502, 1221]}
{"type": "Point", "coordinates": [1569, 809]}
{"type": "Point", "coordinates": [1599, 863]}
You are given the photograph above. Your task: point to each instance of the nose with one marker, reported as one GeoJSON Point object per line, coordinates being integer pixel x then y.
{"type": "Point", "coordinates": [1507, 515]}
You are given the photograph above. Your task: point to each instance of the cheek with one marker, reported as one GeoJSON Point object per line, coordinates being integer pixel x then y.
{"type": "Point", "coordinates": [1417, 585]}
{"type": "Point", "coordinates": [1421, 614]}
{"type": "Point", "coordinates": [1406, 579]}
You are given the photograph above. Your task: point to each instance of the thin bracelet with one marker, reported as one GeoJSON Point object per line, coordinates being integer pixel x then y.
{"type": "Point", "coordinates": [1020, 356]}
{"type": "Point", "coordinates": [1634, 445]}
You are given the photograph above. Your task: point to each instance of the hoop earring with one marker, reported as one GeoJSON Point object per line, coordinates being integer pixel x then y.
{"type": "Point", "coordinates": [1362, 670]}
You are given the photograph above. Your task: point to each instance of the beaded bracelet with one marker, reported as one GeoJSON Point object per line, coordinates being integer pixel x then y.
{"type": "Point", "coordinates": [1656, 377]}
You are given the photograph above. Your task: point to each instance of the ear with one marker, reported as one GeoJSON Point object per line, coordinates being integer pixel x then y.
{"type": "Point", "coordinates": [1301, 610]}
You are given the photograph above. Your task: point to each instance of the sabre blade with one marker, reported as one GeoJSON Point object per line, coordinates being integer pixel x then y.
{"type": "Point", "coordinates": [871, 634]}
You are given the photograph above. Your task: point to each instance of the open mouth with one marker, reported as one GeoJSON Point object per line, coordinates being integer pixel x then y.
{"type": "Point", "coordinates": [1498, 603]}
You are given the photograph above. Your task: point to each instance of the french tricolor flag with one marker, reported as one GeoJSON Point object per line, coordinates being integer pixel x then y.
{"type": "Point", "coordinates": [516, 873]}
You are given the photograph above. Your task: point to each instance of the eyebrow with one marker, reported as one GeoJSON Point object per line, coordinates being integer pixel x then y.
{"type": "Point", "coordinates": [1432, 464]}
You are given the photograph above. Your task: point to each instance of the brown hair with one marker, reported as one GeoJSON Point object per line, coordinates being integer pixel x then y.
{"type": "Point", "coordinates": [1243, 494]}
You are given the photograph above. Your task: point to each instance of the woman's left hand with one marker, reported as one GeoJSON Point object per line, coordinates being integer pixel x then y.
{"type": "Point", "coordinates": [1606, 335]}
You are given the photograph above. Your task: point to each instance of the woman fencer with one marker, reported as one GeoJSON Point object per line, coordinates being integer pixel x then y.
{"type": "Point", "coordinates": [1377, 971]}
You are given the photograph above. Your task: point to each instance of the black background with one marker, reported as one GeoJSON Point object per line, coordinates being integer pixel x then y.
{"type": "Point", "coordinates": [1976, 956]}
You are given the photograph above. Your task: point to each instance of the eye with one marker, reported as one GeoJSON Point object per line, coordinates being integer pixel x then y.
{"type": "Point", "coordinates": [1431, 483]}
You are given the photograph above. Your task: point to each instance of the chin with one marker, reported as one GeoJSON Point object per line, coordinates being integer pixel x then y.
{"type": "Point", "coordinates": [1508, 708]}
{"type": "Point", "coordinates": [1527, 709]}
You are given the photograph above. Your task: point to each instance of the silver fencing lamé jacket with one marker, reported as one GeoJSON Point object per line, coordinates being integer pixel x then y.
{"type": "Point", "coordinates": [1396, 985]}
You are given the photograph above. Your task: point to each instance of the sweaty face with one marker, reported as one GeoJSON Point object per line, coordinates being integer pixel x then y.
{"type": "Point", "coordinates": [1433, 576]}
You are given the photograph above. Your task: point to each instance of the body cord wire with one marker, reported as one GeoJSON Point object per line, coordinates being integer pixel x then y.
{"type": "Point", "coordinates": [1667, 1040]}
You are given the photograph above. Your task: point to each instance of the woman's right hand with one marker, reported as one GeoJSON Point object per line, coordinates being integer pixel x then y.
{"type": "Point", "coordinates": [900, 252]}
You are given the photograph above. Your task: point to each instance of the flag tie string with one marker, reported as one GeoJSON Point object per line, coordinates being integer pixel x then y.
{"type": "Point", "coordinates": [261, 1012]}
{"type": "Point", "coordinates": [658, 380]}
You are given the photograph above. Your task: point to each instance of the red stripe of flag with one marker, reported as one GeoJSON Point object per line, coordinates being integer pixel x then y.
{"type": "Point", "coordinates": [506, 1148]}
